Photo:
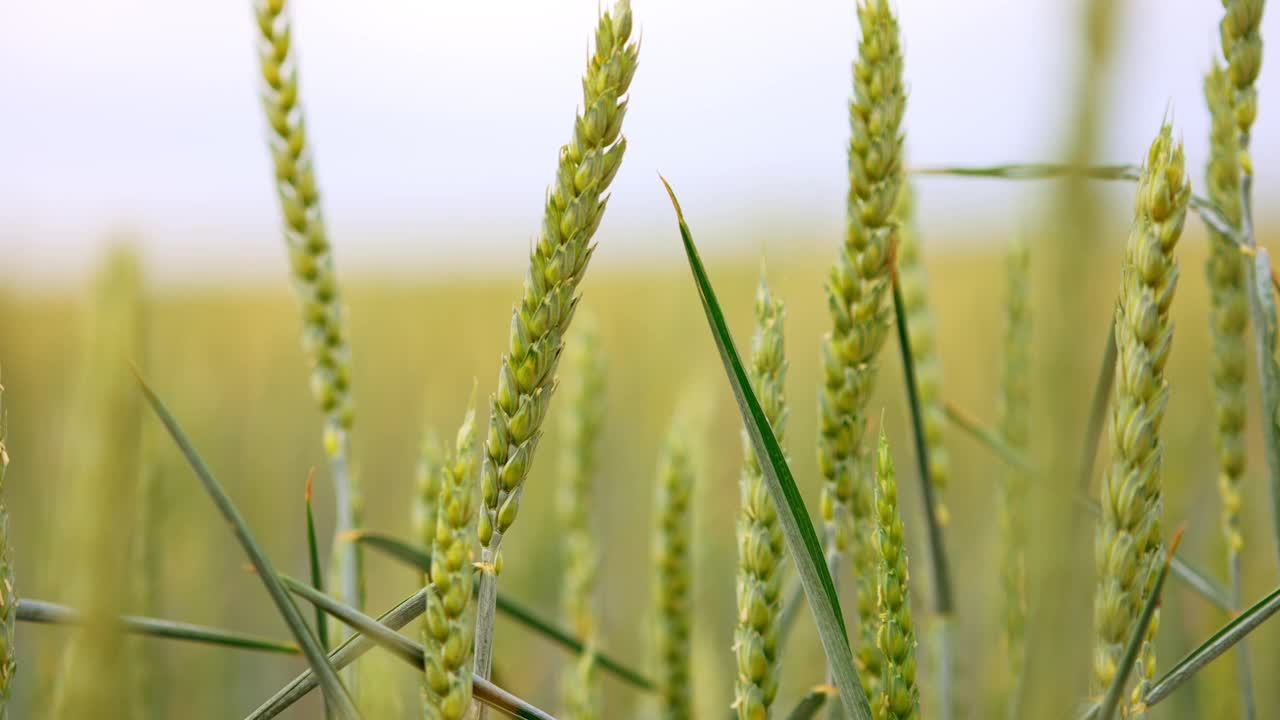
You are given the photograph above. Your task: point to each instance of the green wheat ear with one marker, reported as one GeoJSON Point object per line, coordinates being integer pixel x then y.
{"type": "Point", "coordinates": [580, 431]}
{"type": "Point", "coordinates": [95, 674]}
{"type": "Point", "coordinates": [761, 546]}
{"type": "Point", "coordinates": [447, 632]}
{"type": "Point", "coordinates": [1129, 534]}
{"type": "Point", "coordinates": [897, 696]}
{"type": "Point", "coordinates": [324, 331]}
{"type": "Point", "coordinates": [527, 376]}
{"type": "Point", "coordinates": [856, 296]}
{"type": "Point", "coordinates": [426, 498]}
{"type": "Point", "coordinates": [1015, 407]}
{"type": "Point", "coordinates": [671, 592]}
{"type": "Point", "coordinates": [8, 596]}
{"type": "Point", "coordinates": [924, 344]}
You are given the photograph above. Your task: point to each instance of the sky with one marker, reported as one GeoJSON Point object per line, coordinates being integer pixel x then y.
{"type": "Point", "coordinates": [436, 123]}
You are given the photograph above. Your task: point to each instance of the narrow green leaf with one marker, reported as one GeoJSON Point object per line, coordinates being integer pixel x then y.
{"type": "Point", "coordinates": [1264, 321]}
{"type": "Point", "coordinates": [410, 651]}
{"type": "Point", "coordinates": [802, 541]}
{"type": "Point", "coordinates": [317, 575]}
{"type": "Point", "coordinates": [810, 704]}
{"type": "Point", "coordinates": [1205, 586]}
{"type": "Point", "coordinates": [1219, 643]}
{"type": "Point", "coordinates": [47, 613]}
{"type": "Point", "coordinates": [414, 557]}
{"type": "Point", "coordinates": [348, 652]}
{"type": "Point", "coordinates": [334, 692]}
{"type": "Point", "coordinates": [938, 564]}
{"type": "Point", "coordinates": [1111, 700]}
{"type": "Point", "coordinates": [1034, 171]}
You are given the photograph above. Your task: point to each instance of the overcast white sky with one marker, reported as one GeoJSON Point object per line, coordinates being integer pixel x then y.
{"type": "Point", "coordinates": [436, 122]}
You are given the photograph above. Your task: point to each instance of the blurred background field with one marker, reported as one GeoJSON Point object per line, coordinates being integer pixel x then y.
{"type": "Point", "coordinates": [230, 366]}
{"type": "Point", "coordinates": [432, 157]}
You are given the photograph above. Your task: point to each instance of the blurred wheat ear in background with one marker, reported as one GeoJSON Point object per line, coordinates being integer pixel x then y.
{"type": "Point", "coordinates": [100, 514]}
{"type": "Point", "coordinates": [673, 578]}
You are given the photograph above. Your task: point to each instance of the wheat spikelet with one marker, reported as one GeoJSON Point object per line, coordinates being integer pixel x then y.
{"type": "Point", "coordinates": [1128, 537]}
{"type": "Point", "coordinates": [1015, 401]}
{"type": "Point", "coordinates": [324, 334]}
{"type": "Point", "coordinates": [8, 596]}
{"type": "Point", "coordinates": [897, 697]}
{"type": "Point", "coordinates": [760, 542]}
{"type": "Point", "coordinates": [1228, 317]}
{"type": "Point", "coordinates": [526, 380]}
{"type": "Point", "coordinates": [1241, 36]}
{"type": "Point", "coordinates": [923, 342]}
{"type": "Point", "coordinates": [95, 677]}
{"type": "Point", "coordinates": [447, 631]}
{"type": "Point", "coordinates": [672, 564]}
{"type": "Point", "coordinates": [856, 292]}
{"type": "Point", "coordinates": [580, 429]}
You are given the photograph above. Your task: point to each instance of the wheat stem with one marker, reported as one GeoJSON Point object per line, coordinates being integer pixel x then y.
{"type": "Point", "coordinates": [539, 322]}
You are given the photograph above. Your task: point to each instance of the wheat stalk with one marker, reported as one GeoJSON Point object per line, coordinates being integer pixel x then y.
{"type": "Point", "coordinates": [95, 674]}
{"type": "Point", "coordinates": [526, 379]}
{"type": "Point", "coordinates": [1015, 404]}
{"type": "Point", "coordinates": [1128, 538]}
{"type": "Point", "coordinates": [580, 430]}
{"type": "Point", "coordinates": [856, 291]}
{"type": "Point", "coordinates": [761, 545]}
{"type": "Point", "coordinates": [447, 631]}
{"type": "Point", "coordinates": [8, 596]}
{"type": "Point", "coordinates": [672, 564]}
{"type": "Point", "coordinates": [898, 697]}
{"type": "Point", "coordinates": [324, 333]}
{"type": "Point", "coordinates": [923, 341]}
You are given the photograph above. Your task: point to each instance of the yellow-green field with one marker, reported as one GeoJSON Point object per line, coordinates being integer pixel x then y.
{"type": "Point", "coordinates": [230, 367]}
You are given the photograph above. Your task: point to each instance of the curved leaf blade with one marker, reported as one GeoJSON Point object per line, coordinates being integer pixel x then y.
{"type": "Point", "coordinates": [802, 541]}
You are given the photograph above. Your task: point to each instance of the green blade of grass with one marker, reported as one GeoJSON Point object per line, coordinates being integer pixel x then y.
{"type": "Point", "coordinates": [317, 575]}
{"type": "Point", "coordinates": [941, 568]}
{"type": "Point", "coordinates": [348, 652]}
{"type": "Point", "coordinates": [334, 692]}
{"type": "Point", "coordinates": [802, 542]}
{"type": "Point", "coordinates": [47, 613]}
{"type": "Point", "coordinates": [1205, 586]}
{"type": "Point", "coordinates": [1098, 408]}
{"type": "Point", "coordinates": [1111, 700]}
{"type": "Point", "coordinates": [416, 558]}
{"type": "Point", "coordinates": [410, 651]}
{"type": "Point", "coordinates": [810, 704]}
{"type": "Point", "coordinates": [1219, 643]}
{"type": "Point", "coordinates": [1263, 304]}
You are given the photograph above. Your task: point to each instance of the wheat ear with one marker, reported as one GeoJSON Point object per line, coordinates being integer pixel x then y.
{"type": "Point", "coordinates": [324, 334]}
{"type": "Point", "coordinates": [924, 344]}
{"type": "Point", "coordinates": [1129, 536]}
{"type": "Point", "coordinates": [856, 292]}
{"type": "Point", "coordinates": [671, 592]}
{"type": "Point", "coordinates": [426, 498]}
{"type": "Point", "coordinates": [575, 205]}
{"type": "Point", "coordinates": [898, 697]}
{"type": "Point", "coordinates": [8, 596]}
{"type": "Point", "coordinates": [580, 430]}
{"type": "Point", "coordinates": [761, 546]}
{"type": "Point", "coordinates": [95, 674]}
{"type": "Point", "coordinates": [1015, 407]}
{"type": "Point", "coordinates": [447, 630]}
